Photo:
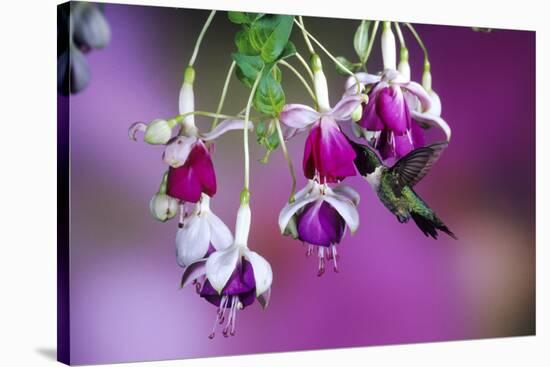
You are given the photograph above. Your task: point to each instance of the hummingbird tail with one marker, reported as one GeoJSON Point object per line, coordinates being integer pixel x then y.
{"type": "Point", "coordinates": [430, 225]}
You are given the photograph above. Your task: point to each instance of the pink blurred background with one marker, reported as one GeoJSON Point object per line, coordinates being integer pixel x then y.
{"type": "Point", "coordinates": [395, 285]}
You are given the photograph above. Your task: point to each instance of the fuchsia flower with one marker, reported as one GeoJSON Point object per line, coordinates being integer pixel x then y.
{"type": "Point", "coordinates": [387, 115]}
{"type": "Point", "coordinates": [319, 216]}
{"type": "Point", "coordinates": [328, 156]}
{"type": "Point", "coordinates": [191, 171]}
{"type": "Point", "coordinates": [232, 278]}
{"type": "Point", "coordinates": [200, 233]}
{"type": "Point", "coordinates": [432, 116]}
{"type": "Point", "coordinates": [394, 100]}
{"type": "Point", "coordinates": [195, 177]}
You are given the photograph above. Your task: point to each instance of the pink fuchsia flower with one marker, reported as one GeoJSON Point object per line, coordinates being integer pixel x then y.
{"type": "Point", "coordinates": [232, 278]}
{"type": "Point", "coordinates": [200, 232]}
{"type": "Point", "coordinates": [328, 156]}
{"type": "Point", "coordinates": [386, 117]}
{"type": "Point", "coordinates": [393, 100]}
{"type": "Point", "coordinates": [191, 171]}
{"type": "Point", "coordinates": [197, 176]}
{"type": "Point", "coordinates": [319, 216]}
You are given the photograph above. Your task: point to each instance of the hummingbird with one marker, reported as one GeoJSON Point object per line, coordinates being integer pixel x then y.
{"type": "Point", "coordinates": [394, 185]}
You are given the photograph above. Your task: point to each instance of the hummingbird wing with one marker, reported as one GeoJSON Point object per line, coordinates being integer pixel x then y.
{"type": "Point", "coordinates": [366, 159]}
{"type": "Point", "coordinates": [410, 169]}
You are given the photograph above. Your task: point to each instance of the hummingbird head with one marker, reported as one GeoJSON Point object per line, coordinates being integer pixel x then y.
{"type": "Point", "coordinates": [366, 159]}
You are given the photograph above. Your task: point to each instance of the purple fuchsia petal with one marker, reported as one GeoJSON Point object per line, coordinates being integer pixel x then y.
{"type": "Point", "coordinates": [205, 170]}
{"type": "Point", "coordinates": [184, 184]}
{"type": "Point", "coordinates": [241, 284]}
{"type": "Point", "coordinates": [403, 145]}
{"type": "Point", "coordinates": [312, 143]}
{"type": "Point", "coordinates": [370, 119]}
{"type": "Point", "coordinates": [390, 146]}
{"type": "Point", "coordinates": [418, 138]}
{"type": "Point", "coordinates": [320, 224]}
{"type": "Point", "coordinates": [392, 110]}
{"type": "Point", "coordinates": [196, 176]}
{"type": "Point", "coordinates": [328, 153]}
{"type": "Point", "coordinates": [335, 154]}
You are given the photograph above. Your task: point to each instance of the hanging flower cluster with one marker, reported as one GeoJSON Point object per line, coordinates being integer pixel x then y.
{"type": "Point", "coordinates": [387, 112]}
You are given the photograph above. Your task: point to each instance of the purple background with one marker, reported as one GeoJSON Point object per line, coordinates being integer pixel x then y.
{"type": "Point", "coordinates": [395, 285]}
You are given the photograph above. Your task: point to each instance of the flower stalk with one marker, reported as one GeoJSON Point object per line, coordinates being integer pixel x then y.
{"type": "Point", "coordinates": [245, 133]}
{"type": "Point", "coordinates": [201, 36]}
{"type": "Point", "coordinates": [288, 160]}
{"type": "Point", "coordinates": [371, 43]}
{"type": "Point", "coordinates": [305, 64]}
{"type": "Point", "coordinates": [304, 32]}
{"type": "Point", "coordinates": [327, 52]}
{"type": "Point", "coordinates": [301, 78]}
{"type": "Point", "coordinates": [224, 92]}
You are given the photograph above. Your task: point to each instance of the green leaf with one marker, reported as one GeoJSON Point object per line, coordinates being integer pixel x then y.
{"type": "Point", "coordinates": [361, 40]}
{"type": "Point", "coordinates": [269, 98]}
{"type": "Point", "coordinates": [269, 35]}
{"type": "Point", "coordinates": [260, 130]}
{"type": "Point", "coordinates": [348, 64]}
{"type": "Point", "coordinates": [276, 72]}
{"type": "Point", "coordinates": [242, 41]}
{"type": "Point", "coordinates": [273, 141]}
{"type": "Point", "coordinates": [288, 51]}
{"type": "Point", "coordinates": [248, 67]}
{"type": "Point", "coordinates": [239, 17]}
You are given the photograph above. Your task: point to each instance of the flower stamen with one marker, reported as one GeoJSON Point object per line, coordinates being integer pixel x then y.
{"type": "Point", "coordinates": [321, 255]}
{"type": "Point", "coordinates": [334, 256]}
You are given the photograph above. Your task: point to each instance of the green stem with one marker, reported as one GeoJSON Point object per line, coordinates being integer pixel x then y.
{"type": "Point", "coordinates": [304, 32]}
{"type": "Point", "coordinates": [245, 134]}
{"type": "Point", "coordinates": [399, 35]}
{"type": "Point", "coordinates": [224, 92]}
{"type": "Point", "coordinates": [201, 36]}
{"type": "Point", "coordinates": [371, 42]}
{"type": "Point", "coordinates": [306, 65]}
{"type": "Point", "coordinates": [419, 40]}
{"type": "Point", "coordinates": [299, 76]}
{"type": "Point", "coordinates": [180, 118]}
{"type": "Point", "coordinates": [288, 160]}
{"type": "Point", "coordinates": [334, 59]}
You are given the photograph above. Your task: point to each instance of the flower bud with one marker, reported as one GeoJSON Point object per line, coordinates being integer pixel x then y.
{"type": "Point", "coordinates": [163, 207]}
{"type": "Point", "coordinates": [242, 227]}
{"type": "Point", "coordinates": [357, 113]}
{"type": "Point", "coordinates": [177, 151]}
{"type": "Point", "coordinates": [320, 83]}
{"type": "Point", "coordinates": [427, 77]}
{"type": "Point", "coordinates": [388, 47]}
{"type": "Point", "coordinates": [404, 68]}
{"type": "Point", "coordinates": [187, 99]}
{"type": "Point", "coordinates": [158, 132]}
